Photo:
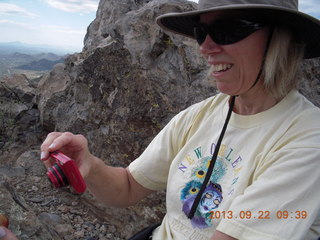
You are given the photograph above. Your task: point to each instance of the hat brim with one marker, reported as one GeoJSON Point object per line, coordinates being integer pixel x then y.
{"type": "Point", "coordinates": [305, 26]}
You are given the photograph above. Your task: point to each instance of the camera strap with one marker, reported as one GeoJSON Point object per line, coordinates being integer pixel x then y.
{"type": "Point", "coordinates": [212, 162]}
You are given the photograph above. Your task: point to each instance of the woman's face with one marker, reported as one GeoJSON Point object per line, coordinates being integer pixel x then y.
{"type": "Point", "coordinates": [234, 67]}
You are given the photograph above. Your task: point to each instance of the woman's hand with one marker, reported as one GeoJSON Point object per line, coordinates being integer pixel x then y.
{"type": "Point", "coordinates": [113, 186]}
{"type": "Point", "coordinates": [74, 146]}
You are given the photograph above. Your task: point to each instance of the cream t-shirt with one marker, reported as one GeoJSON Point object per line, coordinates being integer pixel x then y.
{"type": "Point", "coordinates": [266, 178]}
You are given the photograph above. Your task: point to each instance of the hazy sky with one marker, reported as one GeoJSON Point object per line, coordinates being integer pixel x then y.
{"type": "Point", "coordinates": [64, 22]}
{"type": "Point", "coordinates": [54, 22]}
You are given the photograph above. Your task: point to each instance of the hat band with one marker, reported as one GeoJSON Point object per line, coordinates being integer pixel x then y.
{"type": "Point", "coordinates": [207, 4]}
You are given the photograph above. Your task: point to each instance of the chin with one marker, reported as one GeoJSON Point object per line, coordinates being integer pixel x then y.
{"type": "Point", "coordinates": [225, 90]}
{"type": "Point", "coordinates": [229, 88]}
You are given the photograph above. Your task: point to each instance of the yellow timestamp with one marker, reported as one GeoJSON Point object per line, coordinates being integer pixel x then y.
{"type": "Point", "coordinates": [263, 214]}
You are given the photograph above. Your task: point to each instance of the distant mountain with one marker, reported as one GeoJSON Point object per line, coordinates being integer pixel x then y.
{"type": "Point", "coordinates": [40, 65]}
{"type": "Point", "coordinates": [28, 64]}
{"type": "Point", "coordinates": [12, 47]}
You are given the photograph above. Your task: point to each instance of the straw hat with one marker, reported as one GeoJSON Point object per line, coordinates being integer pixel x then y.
{"type": "Point", "coordinates": [284, 12]}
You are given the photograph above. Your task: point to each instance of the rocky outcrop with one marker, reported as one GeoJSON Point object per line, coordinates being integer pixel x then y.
{"type": "Point", "coordinates": [126, 84]}
{"type": "Point", "coordinates": [19, 116]}
{"type": "Point", "coordinates": [310, 78]}
{"type": "Point", "coordinates": [130, 79]}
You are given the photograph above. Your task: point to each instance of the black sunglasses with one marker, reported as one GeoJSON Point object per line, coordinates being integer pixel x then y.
{"type": "Point", "coordinates": [226, 31]}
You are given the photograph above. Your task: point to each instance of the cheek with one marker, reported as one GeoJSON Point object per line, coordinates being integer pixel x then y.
{"type": "Point", "coordinates": [249, 68]}
{"type": "Point", "coordinates": [249, 58]}
{"type": "Point", "coordinates": [244, 68]}
{"type": "Point", "coordinates": [256, 47]}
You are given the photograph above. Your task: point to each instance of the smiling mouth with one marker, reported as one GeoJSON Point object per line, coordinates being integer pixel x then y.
{"type": "Point", "coordinates": [221, 67]}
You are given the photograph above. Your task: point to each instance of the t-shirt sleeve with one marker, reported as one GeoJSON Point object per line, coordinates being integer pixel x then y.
{"type": "Point", "coordinates": [283, 200]}
{"type": "Point", "coordinates": [151, 169]}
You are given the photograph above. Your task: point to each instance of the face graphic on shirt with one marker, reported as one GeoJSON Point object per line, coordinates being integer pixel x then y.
{"type": "Point", "coordinates": [222, 181]}
{"type": "Point", "coordinates": [211, 198]}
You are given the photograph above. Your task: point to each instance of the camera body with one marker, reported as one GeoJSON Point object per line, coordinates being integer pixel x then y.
{"type": "Point", "coordinates": [65, 172]}
{"type": "Point", "coordinates": [4, 221]}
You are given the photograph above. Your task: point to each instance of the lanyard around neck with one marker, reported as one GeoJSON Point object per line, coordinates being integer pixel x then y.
{"type": "Point", "coordinates": [212, 163]}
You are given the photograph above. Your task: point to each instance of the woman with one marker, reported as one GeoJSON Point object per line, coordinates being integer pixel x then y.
{"type": "Point", "coordinates": [257, 177]}
{"type": "Point", "coordinates": [243, 164]}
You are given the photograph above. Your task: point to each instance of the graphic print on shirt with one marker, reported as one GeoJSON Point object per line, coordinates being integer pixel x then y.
{"type": "Point", "coordinates": [196, 168]}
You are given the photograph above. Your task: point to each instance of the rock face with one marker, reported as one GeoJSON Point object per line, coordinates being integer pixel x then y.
{"type": "Point", "coordinates": [130, 79]}
{"type": "Point", "coordinates": [126, 84]}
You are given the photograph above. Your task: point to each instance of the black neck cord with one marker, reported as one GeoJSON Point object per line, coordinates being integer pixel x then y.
{"type": "Point", "coordinates": [212, 163]}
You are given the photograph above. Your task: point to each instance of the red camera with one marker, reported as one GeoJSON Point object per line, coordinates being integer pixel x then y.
{"type": "Point", "coordinates": [65, 172]}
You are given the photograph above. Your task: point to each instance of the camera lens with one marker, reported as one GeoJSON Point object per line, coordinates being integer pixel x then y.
{"type": "Point", "coordinates": [57, 176]}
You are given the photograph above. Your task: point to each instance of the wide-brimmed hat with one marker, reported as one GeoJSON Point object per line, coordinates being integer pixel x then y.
{"type": "Point", "coordinates": [282, 12]}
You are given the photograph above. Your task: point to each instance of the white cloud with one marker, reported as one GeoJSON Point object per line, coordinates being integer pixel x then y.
{"type": "Point", "coordinates": [310, 6]}
{"type": "Point", "coordinates": [44, 34]}
{"type": "Point", "coordinates": [12, 9]}
{"type": "Point", "coordinates": [15, 24]}
{"type": "Point", "coordinates": [64, 30]}
{"type": "Point", "coordinates": [42, 28]}
{"type": "Point", "coordinates": [74, 5]}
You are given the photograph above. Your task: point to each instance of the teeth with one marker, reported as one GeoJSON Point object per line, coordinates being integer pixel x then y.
{"type": "Point", "coordinates": [221, 67]}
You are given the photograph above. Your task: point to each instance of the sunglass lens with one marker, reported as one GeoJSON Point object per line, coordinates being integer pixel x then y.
{"type": "Point", "coordinates": [225, 32]}
{"type": "Point", "coordinates": [199, 34]}
{"type": "Point", "coordinates": [236, 30]}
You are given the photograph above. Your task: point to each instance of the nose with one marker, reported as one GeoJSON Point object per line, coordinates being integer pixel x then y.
{"type": "Point", "coordinates": [209, 47]}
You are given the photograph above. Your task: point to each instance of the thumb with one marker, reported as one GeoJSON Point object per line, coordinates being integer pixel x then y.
{"type": "Point", "coordinates": [6, 234]}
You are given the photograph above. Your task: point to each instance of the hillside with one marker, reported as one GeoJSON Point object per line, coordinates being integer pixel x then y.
{"type": "Point", "coordinates": [31, 49]}
{"type": "Point", "coordinates": [32, 65]}
{"type": "Point", "coordinates": [40, 65]}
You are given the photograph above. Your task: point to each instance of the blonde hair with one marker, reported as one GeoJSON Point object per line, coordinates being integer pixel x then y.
{"type": "Point", "coordinates": [280, 70]}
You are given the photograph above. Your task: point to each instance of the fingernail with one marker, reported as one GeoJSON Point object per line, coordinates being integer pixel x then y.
{"type": "Point", "coordinates": [52, 145]}
{"type": "Point", "coordinates": [2, 232]}
{"type": "Point", "coordinates": [43, 155]}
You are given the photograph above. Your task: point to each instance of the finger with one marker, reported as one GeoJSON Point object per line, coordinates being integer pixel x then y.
{"type": "Point", "coordinates": [46, 143]}
{"type": "Point", "coordinates": [6, 234]}
{"type": "Point", "coordinates": [64, 139]}
{"type": "Point", "coordinates": [2, 232]}
{"type": "Point", "coordinates": [49, 162]}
